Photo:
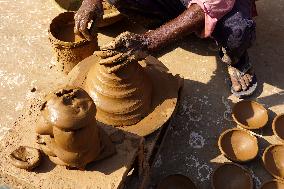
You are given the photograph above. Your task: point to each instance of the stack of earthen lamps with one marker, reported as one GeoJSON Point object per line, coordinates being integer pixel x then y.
{"type": "Point", "coordinates": [240, 146]}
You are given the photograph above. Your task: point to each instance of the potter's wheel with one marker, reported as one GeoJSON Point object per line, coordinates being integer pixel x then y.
{"type": "Point", "coordinates": [165, 93]}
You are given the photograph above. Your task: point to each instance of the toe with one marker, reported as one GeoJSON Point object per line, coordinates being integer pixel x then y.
{"type": "Point", "coordinates": [243, 83]}
{"type": "Point", "coordinates": [246, 80]}
{"type": "Point", "coordinates": [236, 85]}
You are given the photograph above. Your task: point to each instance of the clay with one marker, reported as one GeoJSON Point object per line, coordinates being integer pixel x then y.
{"type": "Point", "coordinates": [238, 145]}
{"type": "Point", "coordinates": [231, 176]}
{"type": "Point", "coordinates": [250, 114]}
{"type": "Point", "coordinates": [67, 125]}
{"type": "Point", "coordinates": [69, 48]}
{"type": "Point", "coordinates": [122, 92]}
{"type": "Point", "coordinates": [273, 184]}
{"type": "Point", "coordinates": [165, 93]}
{"type": "Point", "coordinates": [278, 126]}
{"type": "Point", "coordinates": [70, 5]}
{"type": "Point", "coordinates": [176, 181]}
{"type": "Point", "coordinates": [25, 157]}
{"type": "Point", "coordinates": [111, 15]}
{"type": "Point", "coordinates": [273, 158]}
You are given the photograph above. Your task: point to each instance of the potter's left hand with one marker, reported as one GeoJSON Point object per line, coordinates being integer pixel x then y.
{"type": "Point", "coordinates": [125, 47]}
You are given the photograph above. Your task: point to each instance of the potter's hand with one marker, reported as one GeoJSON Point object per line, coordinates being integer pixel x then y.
{"type": "Point", "coordinates": [89, 10]}
{"type": "Point", "coordinates": [125, 47]}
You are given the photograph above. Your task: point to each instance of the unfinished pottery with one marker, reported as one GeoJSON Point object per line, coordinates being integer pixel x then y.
{"type": "Point", "coordinates": [68, 131]}
{"type": "Point", "coordinates": [273, 184]}
{"type": "Point", "coordinates": [25, 157]}
{"type": "Point", "coordinates": [273, 159]}
{"type": "Point", "coordinates": [176, 181]}
{"type": "Point", "coordinates": [278, 126]}
{"type": "Point", "coordinates": [68, 47]}
{"type": "Point", "coordinates": [238, 145]}
{"type": "Point", "coordinates": [231, 176]}
{"type": "Point", "coordinates": [250, 114]}
{"type": "Point", "coordinates": [163, 98]}
{"type": "Point", "coordinates": [123, 96]}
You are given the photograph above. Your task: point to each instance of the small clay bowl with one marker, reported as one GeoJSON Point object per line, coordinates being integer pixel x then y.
{"type": "Point", "coordinates": [273, 160]}
{"type": "Point", "coordinates": [25, 157]}
{"type": "Point", "coordinates": [238, 145]}
{"type": "Point", "coordinates": [250, 114]}
{"type": "Point", "coordinates": [176, 181]}
{"type": "Point", "coordinates": [278, 126]}
{"type": "Point", "coordinates": [68, 47]}
{"type": "Point", "coordinates": [231, 176]}
{"type": "Point", "coordinates": [273, 184]}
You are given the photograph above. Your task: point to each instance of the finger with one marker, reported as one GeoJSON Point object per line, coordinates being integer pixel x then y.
{"type": "Point", "coordinates": [76, 27]}
{"type": "Point", "coordinates": [84, 30]}
{"type": "Point", "coordinates": [106, 54]}
{"type": "Point", "coordinates": [114, 59]}
{"type": "Point", "coordinates": [118, 66]}
{"type": "Point", "coordinates": [117, 42]}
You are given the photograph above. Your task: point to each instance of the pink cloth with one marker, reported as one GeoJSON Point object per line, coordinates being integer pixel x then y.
{"type": "Point", "coordinates": [214, 10]}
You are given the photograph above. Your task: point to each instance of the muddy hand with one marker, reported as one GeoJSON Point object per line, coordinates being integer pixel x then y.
{"type": "Point", "coordinates": [89, 10]}
{"type": "Point", "coordinates": [127, 46]}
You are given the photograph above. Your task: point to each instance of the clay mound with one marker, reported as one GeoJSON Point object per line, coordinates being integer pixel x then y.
{"type": "Point", "coordinates": [67, 127]}
{"type": "Point", "coordinates": [122, 97]}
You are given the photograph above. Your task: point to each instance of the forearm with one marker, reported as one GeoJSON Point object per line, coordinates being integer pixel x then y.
{"type": "Point", "coordinates": [191, 20]}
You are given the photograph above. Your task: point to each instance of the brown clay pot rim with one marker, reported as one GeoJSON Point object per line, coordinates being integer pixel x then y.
{"type": "Point", "coordinates": [177, 174]}
{"type": "Point", "coordinates": [274, 127]}
{"type": "Point", "coordinates": [271, 181]}
{"type": "Point", "coordinates": [263, 159]}
{"type": "Point", "coordinates": [56, 41]}
{"type": "Point", "coordinates": [245, 126]}
{"type": "Point", "coordinates": [225, 154]}
{"type": "Point", "coordinates": [234, 164]}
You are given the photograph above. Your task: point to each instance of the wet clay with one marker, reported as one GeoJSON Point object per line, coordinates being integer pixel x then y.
{"type": "Point", "coordinates": [278, 126]}
{"type": "Point", "coordinates": [176, 181]}
{"type": "Point", "coordinates": [25, 157]}
{"type": "Point", "coordinates": [67, 128]}
{"type": "Point", "coordinates": [122, 92]}
{"type": "Point", "coordinates": [165, 92]}
{"type": "Point", "coordinates": [250, 114]}
{"type": "Point", "coordinates": [274, 184]}
{"type": "Point", "coordinates": [273, 159]}
{"type": "Point", "coordinates": [238, 145]}
{"type": "Point", "coordinates": [231, 176]}
{"type": "Point", "coordinates": [68, 47]}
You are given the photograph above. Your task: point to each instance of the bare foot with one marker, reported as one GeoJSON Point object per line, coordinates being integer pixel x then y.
{"type": "Point", "coordinates": [240, 81]}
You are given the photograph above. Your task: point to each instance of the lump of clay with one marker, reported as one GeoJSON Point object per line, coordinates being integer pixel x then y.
{"type": "Point", "coordinates": [25, 157]}
{"type": "Point", "coordinates": [121, 91]}
{"type": "Point", "coordinates": [67, 128]}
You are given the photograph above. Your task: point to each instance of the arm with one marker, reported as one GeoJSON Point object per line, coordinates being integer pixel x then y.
{"type": "Point", "coordinates": [89, 10]}
{"type": "Point", "coordinates": [191, 20]}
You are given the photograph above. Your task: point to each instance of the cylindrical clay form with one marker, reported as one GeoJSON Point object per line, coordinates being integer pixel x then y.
{"type": "Point", "coordinates": [68, 128]}
{"type": "Point", "coordinates": [122, 92]}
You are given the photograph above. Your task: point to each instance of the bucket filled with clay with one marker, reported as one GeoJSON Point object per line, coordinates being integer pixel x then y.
{"type": "Point", "coordinates": [68, 47]}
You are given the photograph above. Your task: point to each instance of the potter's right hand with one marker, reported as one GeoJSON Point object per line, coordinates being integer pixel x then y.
{"type": "Point", "coordinates": [89, 10]}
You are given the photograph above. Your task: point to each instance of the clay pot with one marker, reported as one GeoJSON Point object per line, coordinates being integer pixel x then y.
{"type": "Point", "coordinates": [273, 184]}
{"type": "Point", "coordinates": [69, 48]}
{"type": "Point", "coordinates": [278, 126]}
{"type": "Point", "coordinates": [250, 114]}
{"type": "Point", "coordinates": [122, 97]}
{"type": "Point", "coordinates": [176, 181]}
{"type": "Point", "coordinates": [273, 158]}
{"type": "Point", "coordinates": [238, 145]}
{"type": "Point", "coordinates": [231, 176]}
{"type": "Point", "coordinates": [25, 157]}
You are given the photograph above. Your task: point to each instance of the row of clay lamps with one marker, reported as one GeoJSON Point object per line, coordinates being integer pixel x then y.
{"type": "Point", "coordinates": [240, 146]}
